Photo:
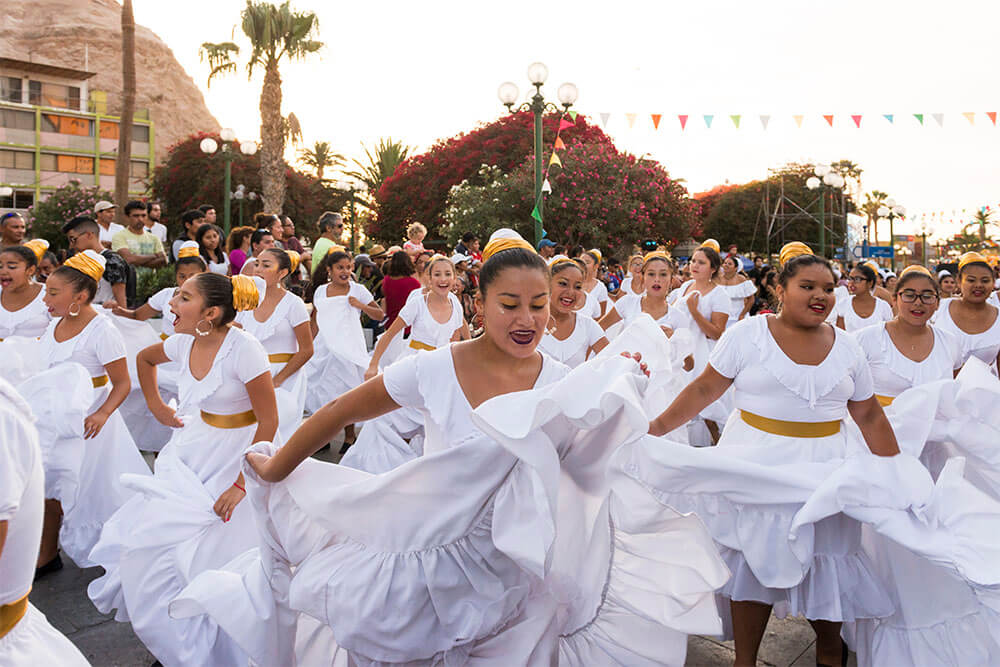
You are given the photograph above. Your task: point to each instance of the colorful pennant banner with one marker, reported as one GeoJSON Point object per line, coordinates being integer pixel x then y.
{"type": "Point", "coordinates": [831, 120]}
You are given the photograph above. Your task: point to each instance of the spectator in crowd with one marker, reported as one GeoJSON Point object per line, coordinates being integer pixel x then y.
{"type": "Point", "coordinates": [464, 286]}
{"type": "Point", "coordinates": [468, 245]}
{"type": "Point", "coordinates": [260, 240]}
{"type": "Point", "coordinates": [191, 221]}
{"type": "Point", "coordinates": [238, 245]}
{"type": "Point", "coordinates": [210, 214]}
{"type": "Point", "coordinates": [153, 224]}
{"type": "Point", "coordinates": [211, 248]}
{"type": "Point", "coordinates": [12, 229]}
{"type": "Point", "coordinates": [48, 264]}
{"type": "Point", "coordinates": [415, 235]}
{"type": "Point", "coordinates": [743, 264]}
{"type": "Point", "coordinates": [135, 244]}
{"type": "Point", "coordinates": [420, 264]}
{"type": "Point", "coordinates": [331, 228]}
{"type": "Point", "coordinates": [104, 212]}
{"type": "Point", "coordinates": [83, 233]}
{"type": "Point", "coordinates": [558, 249]}
{"type": "Point", "coordinates": [272, 223]}
{"type": "Point", "coordinates": [546, 248]}
{"type": "Point", "coordinates": [288, 236]}
{"type": "Point", "coordinates": [399, 281]}
{"type": "Point", "coordinates": [758, 269]}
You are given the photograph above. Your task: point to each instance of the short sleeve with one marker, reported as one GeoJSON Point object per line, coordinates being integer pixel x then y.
{"type": "Point", "coordinates": [728, 356]}
{"type": "Point", "coordinates": [251, 360]}
{"type": "Point", "coordinates": [174, 346]}
{"type": "Point", "coordinates": [118, 241]}
{"type": "Point", "coordinates": [886, 310]}
{"type": "Point", "coordinates": [115, 267]}
{"type": "Point", "coordinates": [719, 300]}
{"type": "Point", "coordinates": [400, 380]}
{"type": "Point", "coordinates": [157, 245]}
{"type": "Point", "coordinates": [159, 300]}
{"type": "Point", "coordinates": [593, 330]}
{"type": "Point", "coordinates": [457, 313]}
{"type": "Point", "coordinates": [297, 313]}
{"type": "Point", "coordinates": [861, 372]}
{"type": "Point", "coordinates": [408, 313]}
{"type": "Point", "coordinates": [602, 292]}
{"type": "Point", "coordinates": [16, 454]}
{"type": "Point", "coordinates": [361, 293]}
{"type": "Point", "coordinates": [110, 346]}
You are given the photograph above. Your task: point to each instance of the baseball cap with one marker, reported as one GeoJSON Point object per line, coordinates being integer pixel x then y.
{"type": "Point", "coordinates": [459, 257]}
{"type": "Point", "coordinates": [102, 206]}
{"type": "Point", "coordinates": [546, 243]}
{"type": "Point", "coordinates": [363, 260]}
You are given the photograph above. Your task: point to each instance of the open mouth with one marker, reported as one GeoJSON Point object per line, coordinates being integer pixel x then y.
{"type": "Point", "coordinates": [4, 282]}
{"type": "Point", "coordinates": [917, 313]}
{"type": "Point", "coordinates": [818, 308]}
{"type": "Point", "coordinates": [567, 302]}
{"type": "Point", "coordinates": [522, 337]}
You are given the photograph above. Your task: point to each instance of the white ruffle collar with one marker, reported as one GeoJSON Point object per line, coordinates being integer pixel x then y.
{"type": "Point", "coordinates": [915, 373]}
{"type": "Point", "coordinates": [64, 351]}
{"type": "Point", "coordinates": [33, 307]}
{"type": "Point", "coordinates": [192, 392]}
{"type": "Point", "coordinates": [264, 330]}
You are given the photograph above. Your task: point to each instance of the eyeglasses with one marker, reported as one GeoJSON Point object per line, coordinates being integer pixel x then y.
{"type": "Point", "coordinates": [909, 296]}
{"type": "Point", "coordinates": [858, 279]}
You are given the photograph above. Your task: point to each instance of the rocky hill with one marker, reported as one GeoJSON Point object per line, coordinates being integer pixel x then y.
{"type": "Point", "coordinates": [58, 31]}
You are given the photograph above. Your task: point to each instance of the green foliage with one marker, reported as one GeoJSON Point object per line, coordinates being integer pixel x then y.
{"type": "Point", "coordinates": [47, 217]}
{"type": "Point", "coordinates": [149, 283]}
{"type": "Point", "coordinates": [319, 157]}
{"type": "Point", "coordinates": [379, 167]}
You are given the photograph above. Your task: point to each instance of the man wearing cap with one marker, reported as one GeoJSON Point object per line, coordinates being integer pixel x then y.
{"type": "Point", "coordinates": [83, 233]}
{"type": "Point", "coordinates": [547, 249]}
{"type": "Point", "coordinates": [331, 228]}
{"type": "Point", "coordinates": [12, 229]}
{"type": "Point", "coordinates": [104, 212]}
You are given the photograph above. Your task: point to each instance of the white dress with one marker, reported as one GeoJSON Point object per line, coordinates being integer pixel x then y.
{"type": "Point", "coordinates": [32, 641]}
{"type": "Point", "coordinates": [29, 321]}
{"type": "Point", "coordinates": [572, 351]}
{"type": "Point", "coordinates": [168, 533]}
{"type": "Point", "coordinates": [626, 286]}
{"type": "Point", "coordinates": [82, 474]}
{"type": "Point", "coordinates": [222, 268]}
{"type": "Point", "coordinates": [595, 297]}
{"type": "Point", "coordinates": [340, 356]}
{"type": "Point", "coordinates": [853, 322]}
{"type": "Point", "coordinates": [984, 346]}
{"type": "Point", "coordinates": [277, 335]}
{"type": "Point", "coordinates": [737, 293]}
{"type": "Point", "coordinates": [510, 543]}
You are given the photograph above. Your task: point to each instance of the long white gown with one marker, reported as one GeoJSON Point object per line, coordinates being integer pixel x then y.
{"type": "Point", "coordinates": [29, 321]}
{"type": "Point", "coordinates": [508, 543]}
{"type": "Point", "coordinates": [168, 532]}
{"type": "Point", "coordinates": [984, 346]}
{"type": "Point", "coordinates": [277, 335]}
{"type": "Point", "coordinates": [32, 641]}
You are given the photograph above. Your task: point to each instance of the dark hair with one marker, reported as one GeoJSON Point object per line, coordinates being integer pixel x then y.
{"type": "Point", "coordinates": [512, 258]}
{"type": "Point", "coordinates": [258, 235]}
{"type": "Point", "coordinates": [468, 237]}
{"type": "Point", "coordinates": [328, 220]}
{"type": "Point", "coordinates": [8, 215]}
{"type": "Point", "coordinates": [262, 219]}
{"type": "Point", "coordinates": [184, 261]}
{"type": "Point", "coordinates": [205, 208]}
{"type": "Point", "coordinates": [236, 237]}
{"type": "Point", "coordinates": [576, 251]}
{"type": "Point", "coordinates": [910, 275]}
{"type": "Point", "coordinates": [736, 262]}
{"type": "Point", "coordinates": [216, 290]}
{"type": "Point", "coordinates": [795, 264]}
{"type": "Point", "coordinates": [868, 272]}
{"type": "Point", "coordinates": [78, 280]}
{"type": "Point", "coordinates": [82, 222]}
{"type": "Point", "coordinates": [190, 216]}
{"type": "Point", "coordinates": [658, 258]}
{"type": "Point", "coordinates": [220, 254]}
{"type": "Point", "coordinates": [150, 204]}
{"type": "Point", "coordinates": [321, 275]}
{"type": "Point", "coordinates": [713, 258]}
{"type": "Point", "coordinates": [400, 265]}
{"type": "Point", "coordinates": [284, 261]}
{"type": "Point", "coordinates": [24, 252]}
{"type": "Point", "coordinates": [51, 256]}
{"type": "Point", "coordinates": [559, 249]}
{"type": "Point", "coordinates": [134, 205]}
{"type": "Point", "coordinates": [562, 266]}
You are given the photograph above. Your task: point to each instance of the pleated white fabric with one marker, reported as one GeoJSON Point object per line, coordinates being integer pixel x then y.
{"type": "Point", "coordinates": [339, 355]}
{"type": "Point", "coordinates": [33, 641]}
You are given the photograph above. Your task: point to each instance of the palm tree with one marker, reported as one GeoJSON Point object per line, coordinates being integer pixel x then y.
{"type": "Point", "coordinates": [275, 32]}
{"type": "Point", "coordinates": [982, 219]}
{"type": "Point", "coordinates": [123, 161]}
{"type": "Point", "coordinates": [873, 200]}
{"type": "Point", "coordinates": [319, 157]}
{"type": "Point", "coordinates": [388, 156]}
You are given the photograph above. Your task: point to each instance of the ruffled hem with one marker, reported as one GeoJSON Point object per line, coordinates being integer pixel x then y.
{"type": "Point", "coordinates": [33, 641]}
{"type": "Point", "coordinates": [968, 641]}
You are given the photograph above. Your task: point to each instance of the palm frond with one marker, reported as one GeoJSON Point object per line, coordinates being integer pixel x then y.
{"type": "Point", "coordinates": [219, 57]}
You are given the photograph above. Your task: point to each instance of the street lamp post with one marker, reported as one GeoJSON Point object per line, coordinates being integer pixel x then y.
{"type": "Point", "coordinates": [824, 176]}
{"type": "Point", "coordinates": [923, 241]}
{"type": "Point", "coordinates": [241, 194]}
{"type": "Point", "coordinates": [209, 146]}
{"type": "Point", "coordinates": [891, 210]}
{"type": "Point", "coordinates": [567, 94]}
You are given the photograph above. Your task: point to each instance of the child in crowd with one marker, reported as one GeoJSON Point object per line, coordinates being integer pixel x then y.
{"type": "Point", "coordinates": [415, 233]}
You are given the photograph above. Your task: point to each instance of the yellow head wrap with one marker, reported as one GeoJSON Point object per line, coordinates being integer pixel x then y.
{"type": "Point", "coordinates": [294, 258]}
{"type": "Point", "coordinates": [595, 251]}
{"type": "Point", "coordinates": [245, 293]}
{"type": "Point", "coordinates": [656, 254]}
{"type": "Point", "coordinates": [873, 266]}
{"type": "Point", "coordinates": [710, 243]}
{"type": "Point", "coordinates": [562, 259]}
{"type": "Point", "coordinates": [336, 248]}
{"type": "Point", "coordinates": [970, 257]}
{"type": "Point", "coordinates": [437, 257]}
{"type": "Point", "coordinates": [792, 250]}
{"type": "Point", "coordinates": [505, 243]}
{"type": "Point", "coordinates": [916, 268]}
{"type": "Point", "coordinates": [88, 263]}
{"type": "Point", "coordinates": [37, 246]}
{"type": "Point", "coordinates": [188, 249]}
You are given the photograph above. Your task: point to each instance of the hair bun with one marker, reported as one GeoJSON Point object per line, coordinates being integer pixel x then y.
{"type": "Point", "coordinates": [37, 246]}
{"type": "Point", "coordinates": [791, 250]}
{"type": "Point", "coordinates": [246, 295]}
{"type": "Point", "coordinates": [294, 258]}
{"type": "Point", "coordinates": [88, 263]}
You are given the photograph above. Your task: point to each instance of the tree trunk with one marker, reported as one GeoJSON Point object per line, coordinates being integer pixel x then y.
{"type": "Point", "coordinates": [123, 162]}
{"type": "Point", "coordinates": [272, 142]}
{"type": "Point", "coordinates": [319, 172]}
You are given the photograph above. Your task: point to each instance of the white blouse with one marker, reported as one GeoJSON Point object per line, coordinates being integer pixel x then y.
{"type": "Point", "coordinates": [573, 350]}
{"type": "Point", "coordinates": [29, 321]}
{"type": "Point", "coordinates": [630, 307]}
{"type": "Point", "coordinates": [893, 372]}
{"type": "Point", "coordinates": [595, 297]}
{"type": "Point", "coordinates": [854, 322]}
{"type": "Point", "coordinates": [716, 301]}
{"type": "Point", "coordinates": [222, 268]}
{"type": "Point", "coordinates": [161, 302]}
{"type": "Point", "coordinates": [626, 286]}
{"type": "Point", "coordinates": [737, 294]}
{"type": "Point", "coordinates": [984, 346]}
{"type": "Point", "coordinates": [277, 332]}
{"type": "Point", "coordinates": [99, 344]}
{"type": "Point", "coordinates": [423, 327]}
{"type": "Point", "coordinates": [767, 383]}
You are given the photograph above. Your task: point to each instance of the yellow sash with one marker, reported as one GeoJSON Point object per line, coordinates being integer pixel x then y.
{"type": "Point", "coordinates": [11, 614]}
{"type": "Point", "coordinates": [417, 345]}
{"type": "Point", "coordinates": [885, 400]}
{"type": "Point", "coordinates": [164, 336]}
{"type": "Point", "coordinates": [99, 381]}
{"type": "Point", "coordinates": [239, 420]}
{"type": "Point", "coordinates": [280, 357]}
{"type": "Point", "coordinates": [791, 429]}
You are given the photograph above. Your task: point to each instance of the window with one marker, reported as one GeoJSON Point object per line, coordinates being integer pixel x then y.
{"type": "Point", "coordinates": [20, 199]}
{"type": "Point", "coordinates": [34, 92]}
{"type": "Point", "coordinates": [81, 127]}
{"type": "Point", "coordinates": [139, 169]}
{"type": "Point", "coordinates": [17, 120]}
{"type": "Point", "coordinates": [10, 89]}
{"type": "Point", "coordinates": [17, 160]}
{"type": "Point", "coordinates": [53, 95]}
{"type": "Point", "coordinates": [140, 133]}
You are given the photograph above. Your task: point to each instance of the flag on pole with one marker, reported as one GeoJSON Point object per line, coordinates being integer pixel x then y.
{"type": "Point", "coordinates": [992, 115]}
{"type": "Point", "coordinates": [572, 114]}
{"type": "Point", "coordinates": [764, 120]}
{"type": "Point", "coordinates": [829, 119]}
{"type": "Point", "coordinates": [919, 117]}
{"type": "Point", "coordinates": [970, 116]}
{"type": "Point", "coordinates": [939, 119]}
{"type": "Point", "coordinates": [888, 117]}
{"type": "Point", "coordinates": [564, 124]}
{"type": "Point", "coordinates": [798, 119]}
{"type": "Point", "coordinates": [554, 160]}
{"type": "Point", "coordinates": [604, 118]}
{"type": "Point", "coordinates": [857, 120]}
{"type": "Point", "coordinates": [558, 145]}
{"type": "Point", "coordinates": [536, 214]}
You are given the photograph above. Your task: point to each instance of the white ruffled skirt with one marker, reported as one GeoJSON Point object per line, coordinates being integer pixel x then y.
{"type": "Point", "coordinates": [291, 399]}
{"type": "Point", "coordinates": [33, 642]}
{"type": "Point", "coordinates": [328, 375]}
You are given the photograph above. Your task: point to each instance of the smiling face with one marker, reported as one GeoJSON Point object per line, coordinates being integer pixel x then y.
{"type": "Point", "coordinates": [60, 296]}
{"type": "Point", "coordinates": [515, 310]}
{"type": "Point", "coordinates": [566, 290]}
{"type": "Point", "coordinates": [656, 278]}
{"type": "Point", "coordinates": [15, 272]}
{"type": "Point", "coordinates": [976, 283]}
{"type": "Point", "coordinates": [635, 266]}
{"type": "Point", "coordinates": [807, 296]}
{"type": "Point", "coordinates": [917, 300]}
{"type": "Point", "coordinates": [729, 267]}
{"type": "Point", "coordinates": [442, 276]}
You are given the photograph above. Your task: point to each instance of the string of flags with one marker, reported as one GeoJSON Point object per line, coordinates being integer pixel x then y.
{"type": "Point", "coordinates": [568, 119]}
{"type": "Point", "coordinates": [829, 120]}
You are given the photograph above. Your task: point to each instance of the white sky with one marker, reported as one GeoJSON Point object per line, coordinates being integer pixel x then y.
{"type": "Point", "coordinates": [420, 71]}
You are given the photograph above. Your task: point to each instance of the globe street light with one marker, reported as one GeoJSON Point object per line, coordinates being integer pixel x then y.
{"type": "Point", "coordinates": [209, 146]}
{"type": "Point", "coordinates": [567, 95]}
{"type": "Point", "coordinates": [891, 210]}
{"type": "Point", "coordinates": [240, 195]}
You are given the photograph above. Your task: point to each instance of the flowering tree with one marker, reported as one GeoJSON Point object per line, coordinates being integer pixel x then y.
{"type": "Point", "coordinates": [48, 216]}
{"type": "Point", "coordinates": [600, 198]}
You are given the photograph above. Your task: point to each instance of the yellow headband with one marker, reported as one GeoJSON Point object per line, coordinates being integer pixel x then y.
{"type": "Point", "coordinates": [595, 251]}
{"type": "Point", "coordinates": [792, 250]}
{"type": "Point", "coordinates": [710, 243]}
{"type": "Point", "coordinates": [336, 248]}
{"type": "Point", "coordinates": [562, 259]}
{"type": "Point", "coordinates": [656, 254]}
{"type": "Point", "coordinates": [37, 246]}
{"type": "Point", "coordinates": [245, 294]}
{"type": "Point", "coordinates": [294, 258]}
{"type": "Point", "coordinates": [85, 264]}
{"type": "Point", "coordinates": [970, 258]}
{"type": "Point", "coordinates": [501, 244]}
{"type": "Point", "coordinates": [190, 251]}
{"type": "Point", "coordinates": [916, 268]}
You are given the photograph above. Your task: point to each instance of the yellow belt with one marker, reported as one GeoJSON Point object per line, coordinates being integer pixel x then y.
{"type": "Point", "coordinates": [99, 381]}
{"type": "Point", "coordinates": [791, 429]}
{"type": "Point", "coordinates": [164, 336]}
{"type": "Point", "coordinates": [11, 614]}
{"type": "Point", "coordinates": [239, 420]}
{"type": "Point", "coordinates": [885, 400]}
{"type": "Point", "coordinates": [280, 357]}
{"type": "Point", "coordinates": [417, 345]}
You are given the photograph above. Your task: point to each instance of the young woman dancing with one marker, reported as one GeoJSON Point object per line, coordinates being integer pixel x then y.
{"type": "Point", "coordinates": [570, 337]}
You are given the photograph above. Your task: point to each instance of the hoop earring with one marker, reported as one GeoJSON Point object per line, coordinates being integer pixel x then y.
{"type": "Point", "coordinates": [204, 333]}
{"type": "Point", "coordinates": [70, 311]}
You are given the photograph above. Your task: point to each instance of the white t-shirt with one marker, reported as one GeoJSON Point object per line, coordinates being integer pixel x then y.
{"type": "Point", "coordinates": [423, 327]}
{"type": "Point", "coordinates": [22, 488]}
{"type": "Point", "coordinates": [161, 302]}
{"type": "Point", "coordinates": [573, 350]}
{"type": "Point", "coordinates": [277, 332]}
{"type": "Point", "coordinates": [106, 234]}
{"type": "Point", "coordinates": [99, 344]}
{"type": "Point", "coordinates": [853, 322]}
{"type": "Point", "coordinates": [893, 373]}
{"type": "Point", "coordinates": [984, 346]}
{"type": "Point", "coordinates": [30, 320]}
{"type": "Point", "coordinates": [159, 230]}
{"type": "Point", "coordinates": [626, 286]}
{"type": "Point", "coordinates": [595, 297]}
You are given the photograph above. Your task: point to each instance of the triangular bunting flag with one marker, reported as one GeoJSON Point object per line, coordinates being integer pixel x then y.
{"type": "Point", "coordinates": [656, 120]}
{"type": "Point", "coordinates": [888, 117]}
{"type": "Point", "coordinates": [798, 120]}
{"type": "Point", "coordinates": [555, 160]}
{"type": "Point", "coordinates": [992, 115]}
{"type": "Point", "coordinates": [919, 117]}
{"type": "Point", "coordinates": [829, 119]}
{"type": "Point", "coordinates": [764, 120]}
{"type": "Point", "coordinates": [736, 120]}
{"type": "Point", "coordinates": [564, 124]}
{"type": "Point", "coordinates": [684, 120]}
{"type": "Point", "coordinates": [970, 116]}
{"type": "Point", "coordinates": [630, 117]}
{"type": "Point", "coordinates": [572, 114]}
{"type": "Point", "coordinates": [604, 118]}
{"type": "Point", "coordinates": [558, 145]}
{"type": "Point", "coordinates": [939, 119]}
{"type": "Point", "coordinates": [708, 120]}
{"type": "Point", "coordinates": [535, 214]}
{"type": "Point", "coordinates": [857, 120]}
